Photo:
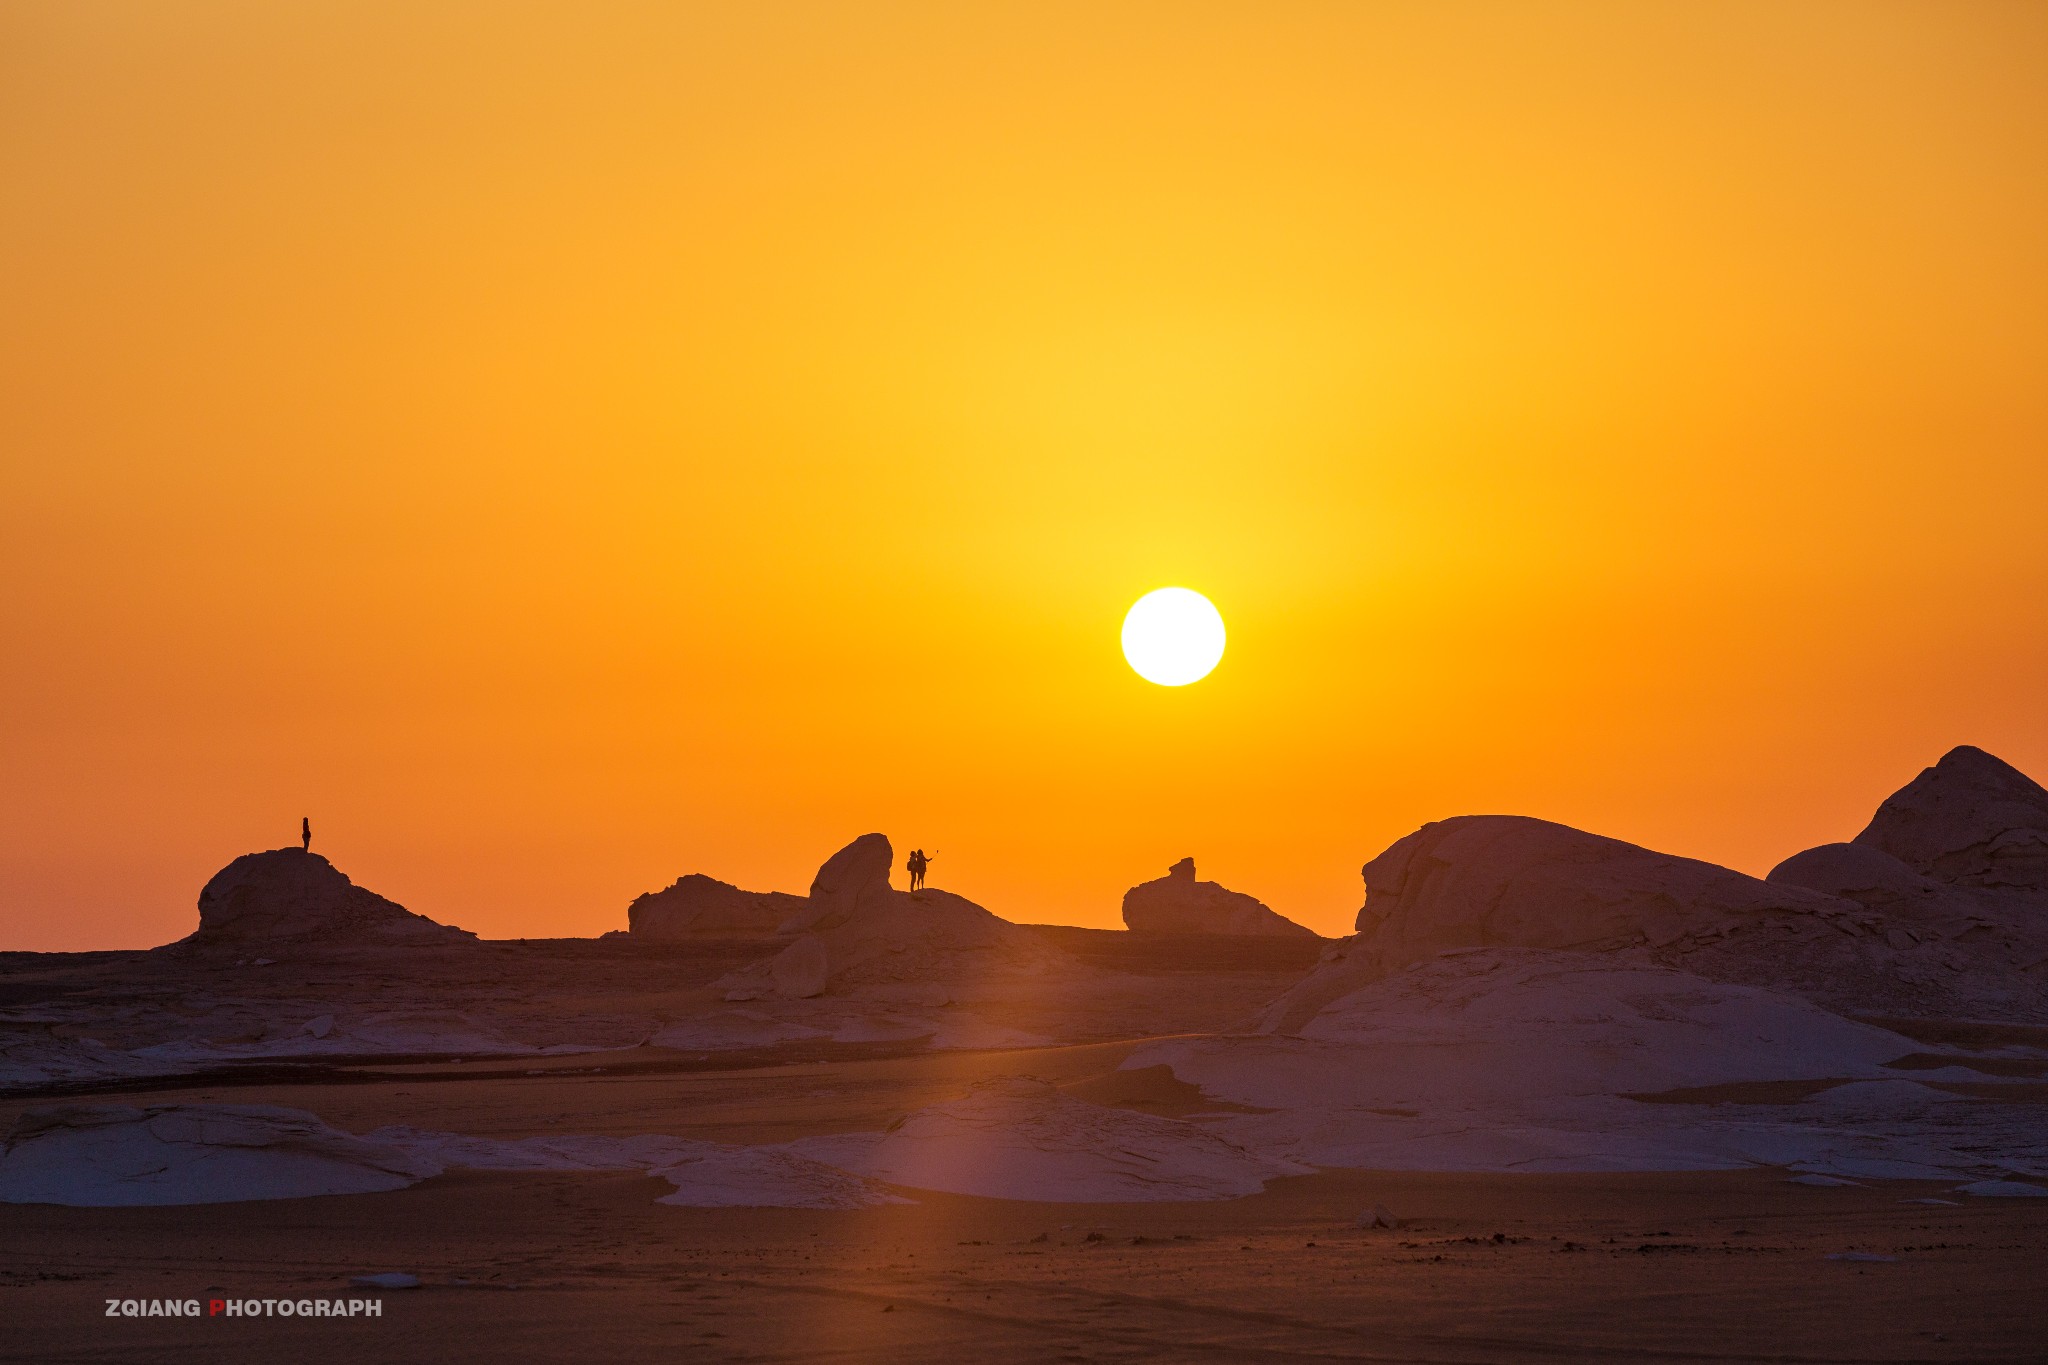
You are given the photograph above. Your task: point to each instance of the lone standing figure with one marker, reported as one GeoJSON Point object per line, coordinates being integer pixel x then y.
{"type": "Point", "coordinates": [306, 832]}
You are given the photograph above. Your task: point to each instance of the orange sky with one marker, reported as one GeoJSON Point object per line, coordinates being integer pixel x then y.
{"type": "Point", "coordinates": [559, 447]}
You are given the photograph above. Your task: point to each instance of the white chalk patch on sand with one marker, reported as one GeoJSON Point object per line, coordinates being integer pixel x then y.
{"type": "Point", "coordinates": [767, 1177]}
{"type": "Point", "coordinates": [30, 1055]}
{"type": "Point", "coordinates": [1528, 1060]}
{"type": "Point", "coordinates": [398, 1032]}
{"type": "Point", "coordinates": [727, 1030]}
{"type": "Point", "coordinates": [116, 1155]}
{"type": "Point", "coordinates": [120, 1155]}
{"type": "Point", "coordinates": [705, 1174]}
{"type": "Point", "coordinates": [841, 1022]}
{"type": "Point", "coordinates": [389, 1279]}
{"type": "Point", "coordinates": [1019, 1138]}
{"type": "Point", "coordinates": [968, 1033]}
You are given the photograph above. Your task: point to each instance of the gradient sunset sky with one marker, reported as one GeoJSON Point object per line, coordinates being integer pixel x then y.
{"type": "Point", "coordinates": [558, 447]}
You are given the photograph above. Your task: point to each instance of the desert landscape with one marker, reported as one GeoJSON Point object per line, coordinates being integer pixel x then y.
{"type": "Point", "coordinates": [902, 682]}
{"type": "Point", "coordinates": [1559, 1095]}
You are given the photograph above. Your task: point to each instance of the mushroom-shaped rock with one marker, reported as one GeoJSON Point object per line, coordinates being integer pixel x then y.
{"type": "Point", "coordinates": [697, 906]}
{"type": "Point", "coordinates": [1178, 904]}
{"type": "Point", "coordinates": [1970, 820]}
{"type": "Point", "coordinates": [292, 895]}
{"type": "Point", "coordinates": [855, 876]}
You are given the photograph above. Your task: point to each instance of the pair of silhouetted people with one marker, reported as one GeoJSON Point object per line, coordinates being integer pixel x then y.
{"type": "Point", "coordinates": [918, 861]}
{"type": "Point", "coordinates": [306, 832]}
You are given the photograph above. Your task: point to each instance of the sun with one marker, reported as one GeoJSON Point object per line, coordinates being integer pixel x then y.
{"type": "Point", "coordinates": [1173, 636]}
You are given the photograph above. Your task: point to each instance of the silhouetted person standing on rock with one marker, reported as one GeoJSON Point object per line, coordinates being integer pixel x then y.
{"type": "Point", "coordinates": [306, 832]}
{"type": "Point", "coordinates": [917, 862]}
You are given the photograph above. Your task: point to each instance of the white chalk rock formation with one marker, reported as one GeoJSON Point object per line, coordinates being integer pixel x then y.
{"type": "Point", "coordinates": [33, 1054]}
{"type": "Point", "coordinates": [924, 947]}
{"type": "Point", "coordinates": [1970, 820]}
{"type": "Point", "coordinates": [862, 938]}
{"type": "Point", "coordinates": [802, 969]}
{"type": "Point", "coordinates": [1508, 881]}
{"type": "Point", "coordinates": [1482, 1025]}
{"type": "Point", "coordinates": [1520, 1059]}
{"type": "Point", "coordinates": [1019, 1138]}
{"type": "Point", "coordinates": [1918, 905]}
{"type": "Point", "coordinates": [855, 876]}
{"type": "Point", "coordinates": [1953, 871]}
{"type": "Point", "coordinates": [697, 906]}
{"type": "Point", "coordinates": [1511, 881]}
{"type": "Point", "coordinates": [117, 1155]}
{"type": "Point", "coordinates": [290, 895]}
{"type": "Point", "coordinates": [704, 1174]}
{"type": "Point", "coordinates": [1178, 904]}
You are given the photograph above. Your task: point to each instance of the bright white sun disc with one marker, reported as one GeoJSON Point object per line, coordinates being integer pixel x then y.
{"type": "Point", "coordinates": [1173, 636]}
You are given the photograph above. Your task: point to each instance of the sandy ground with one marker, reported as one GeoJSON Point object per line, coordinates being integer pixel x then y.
{"type": "Point", "coordinates": [1729, 1266]}
{"type": "Point", "coordinates": [1721, 1266]}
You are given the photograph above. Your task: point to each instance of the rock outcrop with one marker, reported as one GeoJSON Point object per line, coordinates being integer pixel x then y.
{"type": "Point", "coordinates": [1938, 909]}
{"type": "Point", "coordinates": [290, 895]}
{"type": "Point", "coordinates": [1970, 820]}
{"type": "Point", "coordinates": [911, 947]}
{"type": "Point", "coordinates": [697, 906]}
{"type": "Point", "coordinates": [118, 1155]}
{"type": "Point", "coordinates": [861, 937]}
{"type": "Point", "coordinates": [1954, 867]}
{"type": "Point", "coordinates": [1512, 881]}
{"type": "Point", "coordinates": [1516, 1059]}
{"type": "Point", "coordinates": [1178, 904]}
{"type": "Point", "coordinates": [1878, 881]}
{"type": "Point", "coordinates": [856, 875]}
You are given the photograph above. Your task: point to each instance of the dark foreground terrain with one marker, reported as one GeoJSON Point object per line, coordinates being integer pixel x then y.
{"type": "Point", "coordinates": [1734, 1266]}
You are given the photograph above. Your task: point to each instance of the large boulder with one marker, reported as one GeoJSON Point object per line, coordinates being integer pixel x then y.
{"type": "Point", "coordinates": [1970, 820]}
{"type": "Point", "coordinates": [858, 936]}
{"type": "Point", "coordinates": [1954, 867]}
{"type": "Point", "coordinates": [1876, 880]}
{"type": "Point", "coordinates": [913, 947]}
{"type": "Point", "coordinates": [1178, 904]}
{"type": "Point", "coordinates": [856, 875]}
{"type": "Point", "coordinates": [697, 906]}
{"type": "Point", "coordinates": [1850, 926]}
{"type": "Point", "coordinates": [1511, 881]}
{"type": "Point", "coordinates": [291, 895]}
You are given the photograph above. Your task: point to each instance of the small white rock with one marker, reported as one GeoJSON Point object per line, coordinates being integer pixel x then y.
{"type": "Point", "coordinates": [390, 1279]}
{"type": "Point", "coordinates": [1378, 1217]}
